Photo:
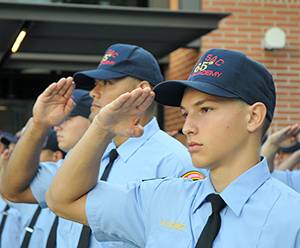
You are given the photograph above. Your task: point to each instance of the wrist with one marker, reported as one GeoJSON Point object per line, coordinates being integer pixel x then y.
{"type": "Point", "coordinates": [274, 145]}
{"type": "Point", "coordinates": [102, 130]}
{"type": "Point", "coordinates": [38, 126]}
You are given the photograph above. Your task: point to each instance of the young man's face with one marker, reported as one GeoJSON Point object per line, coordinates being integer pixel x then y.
{"type": "Point", "coordinates": [105, 91]}
{"type": "Point", "coordinates": [70, 131]}
{"type": "Point", "coordinates": [46, 155]}
{"type": "Point", "coordinates": [215, 127]}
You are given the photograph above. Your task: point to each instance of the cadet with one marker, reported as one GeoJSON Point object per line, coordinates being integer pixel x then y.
{"type": "Point", "coordinates": [37, 222]}
{"type": "Point", "coordinates": [10, 219]}
{"type": "Point", "coordinates": [228, 103]}
{"type": "Point", "coordinates": [284, 172]}
{"type": "Point", "coordinates": [25, 180]}
{"type": "Point", "coordinates": [123, 68]}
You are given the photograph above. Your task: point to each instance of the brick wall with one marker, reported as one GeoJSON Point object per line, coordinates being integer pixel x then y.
{"type": "Point", "coordinates": [244, 31]}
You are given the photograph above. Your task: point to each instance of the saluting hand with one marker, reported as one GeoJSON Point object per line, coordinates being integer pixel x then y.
{"type": "Point", "coordinates": [284, 134]}
{"type": "Point", "coordinates": [55, 103]}
{"type": "Point", "coordinates": [121, 117]}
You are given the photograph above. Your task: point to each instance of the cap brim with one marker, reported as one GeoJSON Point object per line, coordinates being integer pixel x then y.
{"type": "Point", "coordinates": [89, 77]}
{"type": "Point", "coordinates": [171, 92]}
{"type": "Point", "coordinates": [13, 140]}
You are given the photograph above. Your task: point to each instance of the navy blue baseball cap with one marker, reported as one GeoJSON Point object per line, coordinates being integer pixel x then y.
{"type": "Point", "coordinates": [224, 73]}
{"type": "Point", "coordinates": [121, 60]}
{"type": "Point", "coordinates": [7, 138]}
{"type": "Point", "coordinates": [83, 102]}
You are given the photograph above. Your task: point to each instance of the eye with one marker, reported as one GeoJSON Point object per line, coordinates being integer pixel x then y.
{"type": "Point", "coordinates": [107, 82]}
{"type": "Point", "coordinates": [205, 109]}
{"type": "Point", "coordinates": [184, 113]}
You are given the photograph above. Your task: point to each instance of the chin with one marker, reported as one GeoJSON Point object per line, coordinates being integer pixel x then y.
{"type": "Point", "coordinates": [200, 162]}
{"type": "Point", "coordinates": [64, 147]}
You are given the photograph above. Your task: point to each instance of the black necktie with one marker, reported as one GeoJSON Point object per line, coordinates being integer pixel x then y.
{"type": "Point", "coordinates": [4, 216]}
{"type": "Point", "coordinates": [113, 154]}
{"type": "Point", "coordinates": [86, 231]}
{"type": "Point", "coordinates": [30, 228]}
{"type": "Point", "coordinates": [213, 224]}
{"type": "Point", "coordinates": [51, 242]}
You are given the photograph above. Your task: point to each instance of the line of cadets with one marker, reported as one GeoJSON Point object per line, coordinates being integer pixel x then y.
{"type": "Point", "coordinates": [140, 155]}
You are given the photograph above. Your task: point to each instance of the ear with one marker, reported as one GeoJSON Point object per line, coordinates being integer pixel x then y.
{"type": "Point", "coordinates": [257, 115]}
{"type": "Point", "coordinates": [144, 84]}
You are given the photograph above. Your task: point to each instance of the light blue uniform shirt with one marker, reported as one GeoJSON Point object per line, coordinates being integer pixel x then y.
{"type": "Point", "coordinates": [261, 212]}
{"type": "Point", "coordinates": [41, 228]}
{"type": "Point", "coordinates": [154, 154]}
{"type": "Point", "coordinates": [12, 229]}
{"type": "Point", "coordinates": [290, 178]}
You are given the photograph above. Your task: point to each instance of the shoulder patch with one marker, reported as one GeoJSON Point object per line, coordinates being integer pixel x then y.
{"type": "Point", "coordinates": [194, 175]}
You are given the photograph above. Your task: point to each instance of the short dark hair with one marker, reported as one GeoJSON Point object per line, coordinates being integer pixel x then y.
{"type": "Point", "coordinates": [265, 127]}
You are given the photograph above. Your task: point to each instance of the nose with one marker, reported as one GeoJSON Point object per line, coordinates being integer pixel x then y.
{"type": "Point", "coordinates": [57, 128]}
{"type": "Point", "coordinates": [189, 126]}
{"type": "Point", "coordinates": [95, 93]}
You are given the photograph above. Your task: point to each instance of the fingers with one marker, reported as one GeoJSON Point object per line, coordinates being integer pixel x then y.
{"type": "Point", "coordinates": [64, 87]}
{"type": "Point", "coordinates": [293, 130]}
{"type": "Point", "coordinates": [70, 90]}
{"type": "Point", "coordinates": [136, 99]}
{"type": "Point", "coordinates": [51, 89]}
{"type": "Point", "coordinates": [120, 101]}
{"type": "Point", "coordinates": [147, 102]}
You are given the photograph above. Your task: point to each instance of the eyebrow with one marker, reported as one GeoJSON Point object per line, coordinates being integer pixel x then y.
{"type": "Point", "coordinates": [200, 102]}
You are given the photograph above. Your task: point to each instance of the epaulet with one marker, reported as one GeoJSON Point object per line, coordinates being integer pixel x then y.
{"type": "Point", "coordinates": [155, 178]}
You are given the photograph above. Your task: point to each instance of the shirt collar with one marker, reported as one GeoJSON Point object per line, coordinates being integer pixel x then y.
{"type": "Point", "coordinates": [237, 193]}
{"type": "Point", "coordinates": [131, 145]}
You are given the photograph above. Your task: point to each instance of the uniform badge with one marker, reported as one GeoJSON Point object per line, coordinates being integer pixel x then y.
{"type": "Point", "coordinates": [194, 175]}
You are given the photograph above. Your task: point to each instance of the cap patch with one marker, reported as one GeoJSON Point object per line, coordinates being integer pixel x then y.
{"type": "Point", "coordinates": [108, 58]}
{"type": "Point", "coordinates": [210, 66]}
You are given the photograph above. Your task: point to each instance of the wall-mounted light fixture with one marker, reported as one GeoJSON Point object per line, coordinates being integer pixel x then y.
{"type": "Point", "coordinates": [18, 41]}
{"type": "Point", "coordinates": [275, 38]}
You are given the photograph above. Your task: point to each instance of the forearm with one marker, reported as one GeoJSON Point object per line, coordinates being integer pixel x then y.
{"type": "Point", "coordinates": [269, 151]}
{"type": "Point", "coordinates": [79, 172]}
{"type": "Point", "coordinates": [23, 162]}
{"type": "Point", "coordinates": [290, 162]}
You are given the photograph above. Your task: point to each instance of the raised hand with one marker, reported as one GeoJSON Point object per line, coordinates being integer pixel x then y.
{"type": "Point", "coordinates": [282, 135]}
{"type": "Point", "coordinates": [55, 103]}
{"type": "Point", "coordinates": [121, 117]}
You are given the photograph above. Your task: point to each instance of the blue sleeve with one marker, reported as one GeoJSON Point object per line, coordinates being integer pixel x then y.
{"type": "Point", "coordinates": [290, 178]}
{"type": "Point", "coordinates": [42, 180]}
{"type": "Point", "coordinates": [117, 213]}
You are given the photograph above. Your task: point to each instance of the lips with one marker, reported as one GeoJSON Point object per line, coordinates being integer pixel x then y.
{"type": "Point", "coordinates": [96, 105]}
{"type": "Point", "coordinates": [194, 147]}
